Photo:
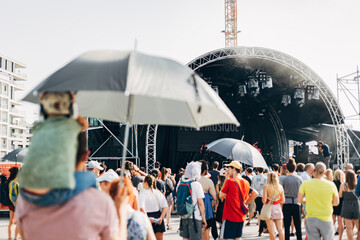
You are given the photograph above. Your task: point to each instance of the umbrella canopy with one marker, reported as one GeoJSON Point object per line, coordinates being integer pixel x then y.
{"type": "Point", "coordinates": [238, 150]}
{"type": "Point", "coordinates": [138, 89]}
{"type": "Point", "coordinates": [17, 155]}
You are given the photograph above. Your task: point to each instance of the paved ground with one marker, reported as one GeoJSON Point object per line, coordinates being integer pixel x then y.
{"type": "Point", "coordinates": [250, 232]}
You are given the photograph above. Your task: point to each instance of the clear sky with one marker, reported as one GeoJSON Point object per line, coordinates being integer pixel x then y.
{"type": "Point", "coordinates": [43, 34]}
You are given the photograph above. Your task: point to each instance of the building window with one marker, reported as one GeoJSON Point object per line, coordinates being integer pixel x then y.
{"type": "Point", "coordinates": [0, 62]}
{"type": "Point", "coordinates": [12, 67]}
{"type": "Point", "coordinates": [5, 66]}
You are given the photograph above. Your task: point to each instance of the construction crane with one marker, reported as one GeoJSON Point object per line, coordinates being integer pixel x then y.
{"type": "Point", "coordinates": [231, 23]}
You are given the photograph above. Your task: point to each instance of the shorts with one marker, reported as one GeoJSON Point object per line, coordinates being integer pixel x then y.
{"type": "Point", "coordinates": [259, 204]}
{"type": "Point", "coordinates": [156, 227]}
{"type": "Point", "coordinates": [231, 230]}
{"type": "Point", "coordinates": [252, 207]}
{"type": "Point", "coordinates": [316, 228]}
{"type": "Point", "coordinates": [189, 230]}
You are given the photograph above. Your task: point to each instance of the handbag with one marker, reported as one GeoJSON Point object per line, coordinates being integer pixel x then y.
{"type": "Point", "coordinates": [243, 206]}
{"type": "Point", "coordinates": [265, 213]}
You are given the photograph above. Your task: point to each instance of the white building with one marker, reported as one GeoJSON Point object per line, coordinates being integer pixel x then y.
{"type": "Point", "coordinates": [14, 132]}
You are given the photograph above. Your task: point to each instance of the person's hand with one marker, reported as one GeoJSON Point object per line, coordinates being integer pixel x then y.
{"type": "Point", "coordinates": [172, 177]}
{"type": "Point", "coordinates": [160, 221]}
{"type": "Point", "coordinates": [204, 224]}
{"type": "Point", "coordinates": [151, 220]}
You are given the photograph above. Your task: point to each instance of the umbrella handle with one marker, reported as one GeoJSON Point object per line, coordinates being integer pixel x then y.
{"type": "Point", "coordinates": [196, 91]}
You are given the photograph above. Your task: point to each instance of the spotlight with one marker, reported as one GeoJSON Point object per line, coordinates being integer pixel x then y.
{"type": "Point", "coordinates": [255, 92]}
{"type": "Point", "coordinates": [310, 91]}
{"type": "Point", "coordinates": [268, 83]}
{"type": "Point", "coordinates": [299, 96]}
{"type": "Point", "coordinates": [242, 90]}
{"type": "Point", "coordinates": [252, 83]}
{"type": "Point", "coordinates": [316, 94]}
{"type": "Point", "coordinates": [286, 100]}
{"type": "Point", "coordinates": [261, 75]}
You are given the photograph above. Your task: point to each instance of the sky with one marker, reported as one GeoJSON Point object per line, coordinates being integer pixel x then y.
{"type": "Point", "coordinates": [45, 35]}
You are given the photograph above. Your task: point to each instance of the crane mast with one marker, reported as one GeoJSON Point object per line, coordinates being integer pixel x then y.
{"type": "Point", "coordinates": [231, 23]}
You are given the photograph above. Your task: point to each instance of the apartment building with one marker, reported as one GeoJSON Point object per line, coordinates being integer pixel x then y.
{"type": "Point", "coordinates": [14, 131]}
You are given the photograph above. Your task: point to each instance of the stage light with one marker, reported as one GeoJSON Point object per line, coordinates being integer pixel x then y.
{"type": "Point", "coordinates": [252, 83]}
{"type": "Point", "coordinates": [255, 92]}
{"type": "Point", "coordinates": [268, 83]}
{"type": "Point", "coordinates": [316, 94]}
{"type": "Point", "coordinates": [241, 90]}
{"type": "Point", "coordinates": [286, 100]}
{"type": "Point", "coordinates": [299, 96]}
{"type": "Point", "coordinates": [310, 91]}
{"type": "Point", "coordinates": [261, 75]}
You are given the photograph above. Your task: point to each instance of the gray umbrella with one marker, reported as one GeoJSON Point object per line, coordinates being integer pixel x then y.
{"type": "Point", "coordinates": [17, 155]}
{"type": "Point", "coordinates": [136, 88]}
{"type": "Point", "coordinates": [239, 150]}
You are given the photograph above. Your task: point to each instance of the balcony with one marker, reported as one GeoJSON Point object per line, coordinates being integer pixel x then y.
{"type": "Point", "coordinates": [16, 113]}
{"type": "Point", "coordinates": [19, 75]}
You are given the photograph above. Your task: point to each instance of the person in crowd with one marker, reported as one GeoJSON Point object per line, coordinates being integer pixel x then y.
{"type": "Point", "coordinates": [160, 184]}
{"type": "Point", "coordinates": [139, 225]}
{"type": "Point", "coordinates": [350, 207]}
{"type": "Point", "coordinates": [291, 208]}
{"type": "Point", "coordinates": [104, 167]}
{"type": "Point", "coordinates": [210, 194]}
{"type": "Point", "coordinates": [39, 216]}
{"type": "Point", "coordinates": [325, 151]}
{"type": "Point", "coordinates": [13, 195]}
{"type": "Point", "coordinates": [169, 188]}
{"type": "Point", "coordinates": [142, 169]}
{"type": "Point", "coordinates": [179, 175]}
{"type": "Point", "coordinates": [258, 183]}
{"type": "Point", "coordinates": [308, 172]}
{"type": "Point", "coordinates": [235, 192]}
{"type": "Point", "coordinates": [158, 166]}
{"type": "Point", "coordinates": [339, 178]}
{"type": "Point", "coordinates": [136, 175]}
{"type": "Point", "coordinates": [223, 176]}
{"type": "Point", "coordinates": [274, 191]}
{"type": "Point", "coordinates": [95, 167]}
{"type": "Point", "coordinates": [357, 174]}
{"type": "Point", "coordinates": [329, 175]}
{"type": "Point", "coordinates": [283, 172]}
{"type": "Point", "coordinates": [349, 166]}
{"type": "Point", "coordinates": [252, 208]}
{"type": "Point", "coordinates": [153, 203]}
{"type": "Point", "coordinates": [214, 172]}
{"type": "Point", "coordinates": [256, 145]}
{"type": "Point", "coordinates": [300, 168]}
{"type": "Point", "coordinates": [106, 179]}
{"type": "Point", "coordinates": [275, 167]}
{"type": "Point", "coordinates": [321, 195]}
{"type": "Point", "coordinates": [190, 228]}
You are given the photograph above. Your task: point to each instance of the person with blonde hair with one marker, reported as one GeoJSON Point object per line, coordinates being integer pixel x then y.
{"type": "Point", "coordinates": [339, 178]}
{"type": "Point", "coordinates": [274, 191]}
{"type": "Point", "coordinates": [350, 207]}
{"type": "Point", "coordinates": [329, 175]}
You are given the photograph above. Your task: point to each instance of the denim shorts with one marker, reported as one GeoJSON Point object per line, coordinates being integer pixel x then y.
{"type": "Point", "coordinates": [187, 229]}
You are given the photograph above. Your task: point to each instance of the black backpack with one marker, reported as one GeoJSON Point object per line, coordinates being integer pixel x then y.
{"type": "Point", "coordinates": [4, 191]}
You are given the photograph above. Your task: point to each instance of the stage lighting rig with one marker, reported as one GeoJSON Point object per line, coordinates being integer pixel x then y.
{"type": "Point", "coordinates": [286, 100]}
{"type": "Point", "coordinates": [268, 83]}
{"type": "Point", "coordinates": [253, 85]}
{"type": "Point", "coordinates": [313, 93]}
{"type": "Point", "coordinates": [299, 96]}
{"type": "Point", "coordinates": [214, 87]}
{"type": "Point", "coordinates": [241, 89]}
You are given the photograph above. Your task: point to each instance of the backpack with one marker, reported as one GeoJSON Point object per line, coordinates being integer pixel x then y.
{"type": "Point", "coordinates": [4, 192]}
{"type": "Point", "coordinates": [184, 202]}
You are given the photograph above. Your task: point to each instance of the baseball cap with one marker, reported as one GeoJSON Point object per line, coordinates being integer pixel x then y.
{"type": "Point", "coordinates": [109, 176]}
{"type": "Point", "coordinates": [94, 164]}
{"type": "Point", "coordinates": [234, 164]}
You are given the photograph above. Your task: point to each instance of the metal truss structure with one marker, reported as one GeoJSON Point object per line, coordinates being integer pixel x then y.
{"type": "Point", "coordinates": [150, 157]}
{"type": "Point", "coordinates": [348, 91]}
{"type": "Point", "coordinates": [231, 23]}
{"type": "Point", "coordinates": [337, 117]}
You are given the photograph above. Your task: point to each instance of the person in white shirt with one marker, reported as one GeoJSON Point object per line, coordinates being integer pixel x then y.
{"type": "Point", "coordinates": [309, 170]}
{"type": "Point", "coordinates": [154, 204]}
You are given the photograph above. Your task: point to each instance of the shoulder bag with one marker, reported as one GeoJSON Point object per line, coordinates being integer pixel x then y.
{"type": "Point", "coordinates": [265, 213]}
{"type": "Point", "coordinates": [243, 206]}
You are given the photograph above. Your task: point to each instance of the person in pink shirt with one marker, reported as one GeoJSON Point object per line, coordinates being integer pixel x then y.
{"type": "Point", "coordinates": [89, 214]}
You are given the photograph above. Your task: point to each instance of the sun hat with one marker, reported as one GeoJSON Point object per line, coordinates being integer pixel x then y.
{"type": "Point", "coordinates": [234, 164]}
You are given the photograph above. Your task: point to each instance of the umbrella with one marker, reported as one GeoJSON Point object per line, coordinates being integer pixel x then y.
{"type": "Point", "coordinates": [136, 88]}
{"type": "Point", "coordinates": [17, 155]}
{"type": "Point", "coordinates": [238, 150]}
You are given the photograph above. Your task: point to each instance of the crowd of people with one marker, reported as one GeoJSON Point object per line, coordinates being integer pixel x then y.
{"type": "Point", "coordinates": [63, 195]}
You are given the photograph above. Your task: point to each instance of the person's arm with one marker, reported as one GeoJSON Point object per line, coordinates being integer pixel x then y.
{"type": "Point", "coordinates": [300, 198]}
{"type": "Point", "coordinates": [252, 197]}
{"type": "Point", "coordinates": [202, 210]}
{"type": "Point", "coordinates": [341, 190]}
{"type": "Point", "coordinates": [212, 191]}
{"type": "Point", "coordinates": [336, 199]}
{"type": "Point", "coordinates": [357, 189]}
{"type": "Point", "coordinates": [163, 214]}
{"type": "Point", "coordinates": [264, 197]}
{"type": "Point", "coordinates": [121, 200]}
{"type": "Point", "coordinates": [282, 196]}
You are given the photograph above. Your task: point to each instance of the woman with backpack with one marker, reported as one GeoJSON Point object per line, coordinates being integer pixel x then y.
{"type": "Point", "coordinates": [153, 203]}
{"type": "Point", "coordinates": [13, 195]}
{"type": "Point", "coordinates": [169, 188]}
